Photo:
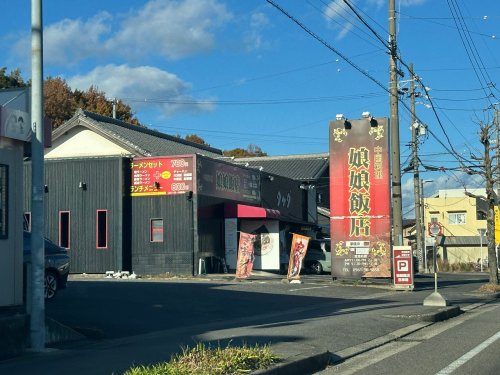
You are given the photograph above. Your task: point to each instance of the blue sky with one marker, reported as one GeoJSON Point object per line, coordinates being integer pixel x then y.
{"type": "Point", "coordinates": [241, 72]}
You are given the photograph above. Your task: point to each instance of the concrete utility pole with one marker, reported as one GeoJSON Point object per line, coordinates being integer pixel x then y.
{"type": "Point", "coordinates": [37, 314]}
{"type": "Point", "coordinates": [114, 108]}
{"type": "Point", "coordinates": [415, 128]}
{"type": "Point", "coordinates": [397, 207]}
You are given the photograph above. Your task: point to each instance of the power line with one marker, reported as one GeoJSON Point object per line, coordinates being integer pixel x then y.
{"type": "Point", "coordinates": [327, 45]}
{"type": "Point", "coordinates": [384, 43]}
{"type": "Point", "coordinates": [345, 18]}
{"type": "Point", "coordinates": [254, 102]}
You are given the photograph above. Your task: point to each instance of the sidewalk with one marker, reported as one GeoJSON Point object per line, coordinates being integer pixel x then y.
{"type": "Point", "coordinates": [301, 353]}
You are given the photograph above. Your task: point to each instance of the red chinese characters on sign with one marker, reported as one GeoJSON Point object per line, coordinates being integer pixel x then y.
{"type": "Point", "coordinates": [360, 198]}
{"type": "Point", "coordinates": [403, 267]}
{"type": "Point", "coordinates": [161, 175]}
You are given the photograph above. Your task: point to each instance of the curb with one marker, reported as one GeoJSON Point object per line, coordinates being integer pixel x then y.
{"type": "Point", "coordinates": [433, 317]}
{"type": "Point", "coordinates": [303, 363]}
{"type": "Point", "coordinates": [314, 360]}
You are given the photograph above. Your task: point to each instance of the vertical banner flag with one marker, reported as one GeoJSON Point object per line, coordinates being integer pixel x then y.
{"type": "Point", "coordinates": [360, 198]}
{"type": "Point", "coordinates": [244, 264]}
{"type": "Point", "coordinates": [297, 254]}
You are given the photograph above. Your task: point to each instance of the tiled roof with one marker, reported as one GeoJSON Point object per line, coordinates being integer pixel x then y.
{"type": "Point", "coordinates": [297, 167]}
{"type": "Point", "coordinates": [461, 241]}
{"type": "Point", "coordinates": [139, 140]}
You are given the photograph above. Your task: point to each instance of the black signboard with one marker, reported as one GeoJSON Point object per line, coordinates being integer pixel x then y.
{"type": "Point", "coordinates": [222, 180]}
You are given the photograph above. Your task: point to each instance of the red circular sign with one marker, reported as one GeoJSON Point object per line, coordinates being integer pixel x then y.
{"type": "Point", "coordinates": [435, 229]}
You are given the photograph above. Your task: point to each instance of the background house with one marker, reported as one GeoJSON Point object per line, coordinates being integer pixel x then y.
{"type": "Point", "coordinates": [462, 217]}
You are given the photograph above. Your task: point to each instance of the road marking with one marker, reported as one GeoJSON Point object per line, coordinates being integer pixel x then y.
{"type": "Point", "coordinates": [312, 287]}
{"type": "Point", "coordinates": [356, 364]}
{"type": "Point", "coordinates": [468, 356]}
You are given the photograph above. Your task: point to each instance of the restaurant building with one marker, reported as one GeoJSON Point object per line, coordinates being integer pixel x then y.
{"type": "Point", "coordinates": [124, 197]}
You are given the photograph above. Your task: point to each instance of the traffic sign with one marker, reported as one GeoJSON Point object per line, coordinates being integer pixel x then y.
{"type": "Point", "coordinates": [435, 229]}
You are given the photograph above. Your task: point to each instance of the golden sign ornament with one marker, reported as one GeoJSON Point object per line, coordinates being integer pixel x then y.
{"type": "Point", "coordinates": [337, 133]}
{"type": "Point", "coordinates": [378, 131]}
{"type": "Point", "coordinates": [379, 249]}
{"type": "Point", "coordinates": [340, 250]}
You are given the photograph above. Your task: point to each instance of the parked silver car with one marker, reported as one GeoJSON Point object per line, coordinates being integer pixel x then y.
{"type": "Point", "coordinates": [318, 258]}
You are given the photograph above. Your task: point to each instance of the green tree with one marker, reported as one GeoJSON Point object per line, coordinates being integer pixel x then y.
{"type": "Point", "coordinates": [11, 80]}
{"type": "Point", "coordinates": [59, 100]}
{"type": "Point", "coordinates": [251, 151]}
{"type": "Point", "coordinates": [96, 101]}
{"type": "Point", "coordinates": [196, 139]}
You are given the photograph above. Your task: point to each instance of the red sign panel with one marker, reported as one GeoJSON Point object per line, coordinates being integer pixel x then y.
{"type": "Point", "coordinates": [403, 266]}
{"type": "Point", "coordinates": [435, 229]}
{"type": "Point", "coordinates": [161, 175]}
{"type": "Point", "coordinates": [360, 198]}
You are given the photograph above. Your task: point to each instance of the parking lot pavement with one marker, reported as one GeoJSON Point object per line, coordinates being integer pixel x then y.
{"type": "Point", "coordinates": [144, 322]}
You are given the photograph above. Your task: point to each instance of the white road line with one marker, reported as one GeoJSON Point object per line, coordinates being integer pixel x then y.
{"type": "Point", "coordinates": [467, 356]}
{"type": "Point", "coordinates": [313, 287]}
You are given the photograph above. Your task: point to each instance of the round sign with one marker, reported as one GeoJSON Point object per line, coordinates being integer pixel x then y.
{"type": "Point", "coordinates": [434, 229]}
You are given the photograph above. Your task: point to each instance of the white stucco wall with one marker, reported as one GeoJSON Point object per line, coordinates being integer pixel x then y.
{"type": "Point", "coordinates": [79, 142]}
{"type": "Point", "coordinates": [11, 248]}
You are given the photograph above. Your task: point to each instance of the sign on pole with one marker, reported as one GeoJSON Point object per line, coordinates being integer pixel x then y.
{"type": "Point", "coordinates": [360, 198]}
{"type": "Point", "coordinates": [435, 229]}
{"type": "Point", "coordinates": [403, 267]}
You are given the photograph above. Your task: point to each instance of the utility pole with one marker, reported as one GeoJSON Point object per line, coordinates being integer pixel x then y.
{"type": "Point", "coordinates": [397, 207]}
{"type": "Point", "coordinates": [37, 313]}
{"type": "Point", "coordinates": [415, 128]}
{"type": "Point", "coordinates": [422, 225]}
{"type": "Point", "coordinates": [114, 108]}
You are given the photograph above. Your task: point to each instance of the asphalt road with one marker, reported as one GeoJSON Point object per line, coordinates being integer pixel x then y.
{"type": "Point", "coordinates": [468, 344]}
{"type": "Point", "coordinates": [108, 308]}
{"type": "Point", "coordinates": [145, 321]}
{"type": "Point", "coordinates": [317, 312]}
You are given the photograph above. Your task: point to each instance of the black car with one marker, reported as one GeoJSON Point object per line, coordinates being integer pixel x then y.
{"type": "Point", "coordinates": [56, 265]}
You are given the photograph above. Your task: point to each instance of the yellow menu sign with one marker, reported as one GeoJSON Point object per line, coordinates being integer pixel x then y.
{"type": "Point", "coordinates": [497, 225]}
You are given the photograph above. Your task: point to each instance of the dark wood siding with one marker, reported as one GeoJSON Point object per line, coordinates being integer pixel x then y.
{"type": "Point", "coordinates": [285, 195]}
{"type": "Point", "coordinates": [175, 254]}
{"type": "Point", "coordinates": [81, 187]}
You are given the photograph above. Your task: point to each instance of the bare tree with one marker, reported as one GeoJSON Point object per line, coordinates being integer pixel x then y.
{"type": "Point", "coordinates": [488, 171]}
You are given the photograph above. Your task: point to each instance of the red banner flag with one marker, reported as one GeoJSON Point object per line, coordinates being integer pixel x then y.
{"type": "Point", "coordinates": [297, 254]}
{"type": "Point", "coordinates": [244, 264]}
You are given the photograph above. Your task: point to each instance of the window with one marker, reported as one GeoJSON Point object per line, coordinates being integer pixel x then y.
{"type": "Point", "coordinates": [156, 230]}
{"type": "Point", "coordinates": [4, 213]}
{"type": "Point", "coordinates": [27, 221]}
{"type": "Point", "coordinates": [102, 229]}
{"type": "Point", "coordinates": [434, 217]}
{"type": "Point", "coordinates": [456, 218]}
{"type": "Point", "coordinates": [64, 225]}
